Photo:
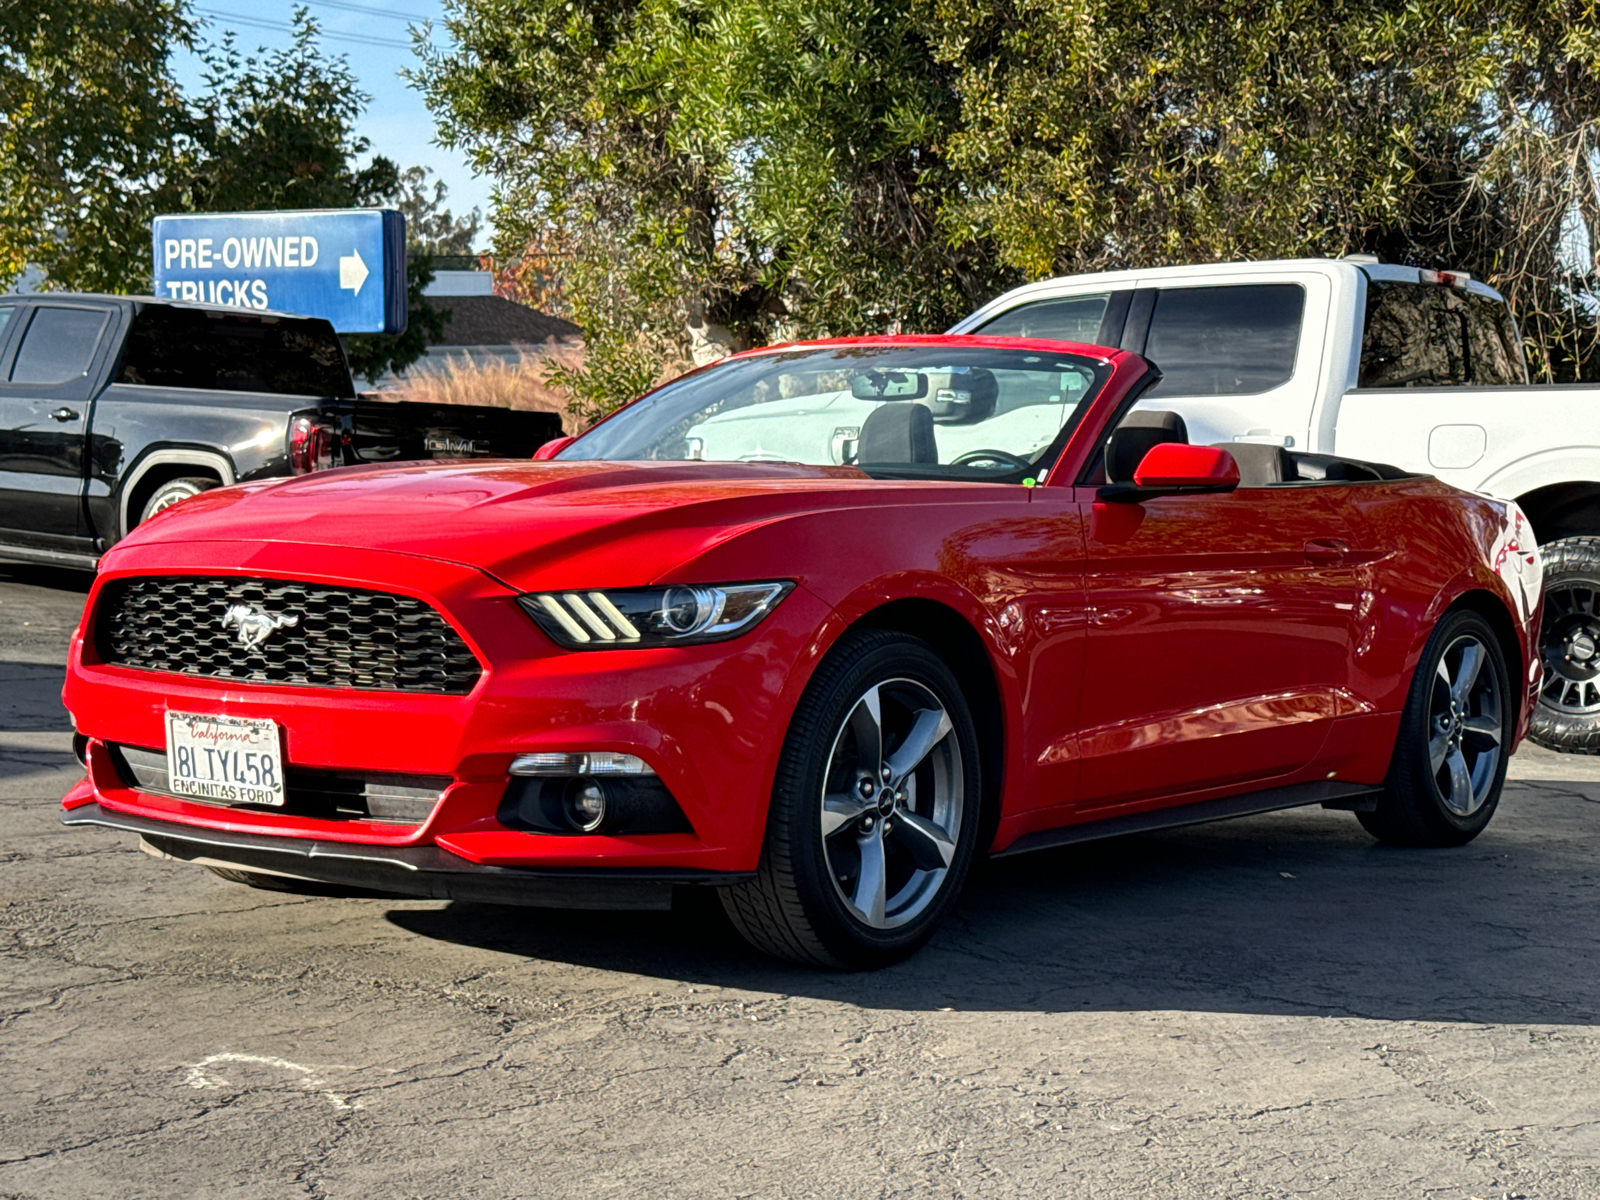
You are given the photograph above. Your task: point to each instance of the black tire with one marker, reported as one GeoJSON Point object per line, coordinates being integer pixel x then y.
{"type": "Point", "coordinates": [1425, 805]}
{"type": "Point", "coordinates": [172, 491]}
{"type": "Point", "coordinates": [1567, 717]}
{"type": "Point", "coordinates": [795, 908]}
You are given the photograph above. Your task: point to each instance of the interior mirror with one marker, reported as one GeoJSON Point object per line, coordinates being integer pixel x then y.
{"type": "Point", "coordinates": [888, 384]}
{"type": "Point", "coordinates": [1181, 467]}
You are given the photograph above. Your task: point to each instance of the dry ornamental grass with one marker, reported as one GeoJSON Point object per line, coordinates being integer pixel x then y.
{"type": "Point", "coordinates": [518, 383]}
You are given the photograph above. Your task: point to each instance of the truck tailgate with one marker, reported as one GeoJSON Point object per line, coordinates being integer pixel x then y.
{"type": "Point", "coordinates": [405, 430]}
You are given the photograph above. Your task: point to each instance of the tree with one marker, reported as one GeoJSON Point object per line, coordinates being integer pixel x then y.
{"type": "Point", "coordinates": [91, 121]}
{"type": "Point", "coordinates": [1144, 132]}
{"type": "Point", "coordinates": [431, 228]}
{"type": "Point", "coordinates": [721, 174]}
{"type": "Point", "coordinates": [732, 173]}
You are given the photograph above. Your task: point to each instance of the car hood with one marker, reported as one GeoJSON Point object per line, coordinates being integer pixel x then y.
{"type": "Point", "coordinates": [535, 524]}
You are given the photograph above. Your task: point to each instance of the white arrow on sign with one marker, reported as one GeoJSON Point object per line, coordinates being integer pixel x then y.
{"type": "Point", "coordinates": [352, 271]}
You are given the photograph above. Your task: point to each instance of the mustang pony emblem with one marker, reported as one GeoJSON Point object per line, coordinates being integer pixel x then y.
{"type": "Point", "coordinates": [256, 626]}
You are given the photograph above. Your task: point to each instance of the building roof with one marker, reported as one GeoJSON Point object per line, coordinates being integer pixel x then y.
{"type": "Point", "coordinates": [491, 321]}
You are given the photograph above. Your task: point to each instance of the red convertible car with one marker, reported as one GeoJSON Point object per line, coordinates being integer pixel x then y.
{"type": "Point", "coordinates": [812, 627]}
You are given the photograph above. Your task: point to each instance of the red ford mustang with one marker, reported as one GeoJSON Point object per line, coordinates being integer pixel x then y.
{"type": "Point", "coordinates": [813, 627]}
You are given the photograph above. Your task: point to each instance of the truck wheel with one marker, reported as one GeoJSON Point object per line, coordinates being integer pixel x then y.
{"type": "Point", "coordinates": [1450, 756]}
{"type": "Point", "coordinates": [172, 491]}
{"type": "Point", "coordinates": [1567, 717]}
{"type": "Point", "coordinates": [875, 810]}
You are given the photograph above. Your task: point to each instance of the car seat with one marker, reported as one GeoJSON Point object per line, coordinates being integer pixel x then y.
{"type": "Point", "coordinates": [898, 432]}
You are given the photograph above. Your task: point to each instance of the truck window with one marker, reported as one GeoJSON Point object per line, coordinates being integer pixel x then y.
{"type": "Point", "coordinates": [5, 317]}
{"type": "Point", "coordinates": [1225, 341]}
{"type": "Point", "coordinates": [193, 348]}
{"type": "Point", "coordinates": [1415, 336]}
{"type": "Point", "coordinates": [1068, 319]}
{"type": "Point", "coordinates": [58, 346]}
{"type": "Point", "coordinates": [1494, 348]}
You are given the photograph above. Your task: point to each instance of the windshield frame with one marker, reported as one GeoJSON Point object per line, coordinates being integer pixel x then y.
{"type": "Point", "coordinates": [1096, 359]}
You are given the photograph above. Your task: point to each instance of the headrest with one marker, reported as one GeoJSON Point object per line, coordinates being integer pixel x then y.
{"type": "Point", "coordinates": [1132, 439]}
{"type": "Point", "coordinates": [898, 433]}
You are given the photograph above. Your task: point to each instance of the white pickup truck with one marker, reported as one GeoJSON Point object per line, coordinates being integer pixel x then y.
{"type": "Point", "coordinates": [1421, 369]}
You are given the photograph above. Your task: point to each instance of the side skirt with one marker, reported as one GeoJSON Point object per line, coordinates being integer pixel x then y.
{"type": "Point", "coordinates": [1301, 795]}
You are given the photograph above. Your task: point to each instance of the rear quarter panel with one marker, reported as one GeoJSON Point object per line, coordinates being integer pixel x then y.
{"type": "Point", "coordinates": [1428, 546]}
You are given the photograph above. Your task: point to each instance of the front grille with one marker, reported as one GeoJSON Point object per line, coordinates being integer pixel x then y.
{"type": "Point", "coordinates": [324, 795]}
{"type": "Point", "coordinates": [338, 638]}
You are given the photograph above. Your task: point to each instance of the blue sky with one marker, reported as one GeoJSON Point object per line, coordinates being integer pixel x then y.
{"type": "Point", "coordinates": [396, 122]}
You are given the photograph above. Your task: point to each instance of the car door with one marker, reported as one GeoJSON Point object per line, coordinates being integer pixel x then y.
{"type": "Point", "coordinates": [1219, 628]}
{"type": "Point", "coordinates": [47, 380]}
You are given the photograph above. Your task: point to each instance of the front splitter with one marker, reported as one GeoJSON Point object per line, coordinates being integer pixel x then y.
{"type": "Point", "coordinates": [409, 872]}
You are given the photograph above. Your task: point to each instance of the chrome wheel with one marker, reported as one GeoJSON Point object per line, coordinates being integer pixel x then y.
{"type": "Point", "coordinates": [1569, 642]}
{"type": "Point", "coordinates": [1465, 719]}
{"type": "Point", "coordinates": [891, 803]}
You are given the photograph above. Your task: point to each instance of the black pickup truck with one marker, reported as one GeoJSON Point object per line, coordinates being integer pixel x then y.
{"type": "Point", "coordinates": [113, 407]}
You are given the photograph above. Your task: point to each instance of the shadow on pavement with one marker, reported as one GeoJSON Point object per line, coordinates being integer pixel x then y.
{"type": "Point", "coordinates": [55, 578]}
{"type": "Point", "coordinates": [1298, 913]}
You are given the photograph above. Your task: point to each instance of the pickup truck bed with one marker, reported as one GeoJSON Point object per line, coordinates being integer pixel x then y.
{"type": "Point", "coordinates": [113, 406]}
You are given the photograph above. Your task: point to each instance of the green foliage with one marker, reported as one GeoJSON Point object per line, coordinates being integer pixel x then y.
{"type": "Point", "coordinates": [798, 167]}
{"type": "Point", "coordinates": [90, 124]}
{"type": "Point", "coordinates": [726, 172]}
{"type": "Point", "coordinates": [96, 139]}
{"type": "Point", "coordinates": [431, 228]}
{"type": "Point", "coordinates": [277, 132]}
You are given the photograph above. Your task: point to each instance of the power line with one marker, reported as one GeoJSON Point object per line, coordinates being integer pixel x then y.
{"type": "Point", "coordinates": [281, 27]}
{"type": "Point", "coordinates": [366, 8]}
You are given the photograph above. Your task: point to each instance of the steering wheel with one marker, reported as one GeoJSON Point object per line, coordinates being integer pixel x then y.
{"type": "Point", "coordinates": [1004, 457]}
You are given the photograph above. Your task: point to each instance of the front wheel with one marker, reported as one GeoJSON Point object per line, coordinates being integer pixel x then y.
{"type": "Point", "coordinates": [171, 492]}
{"type": "Point", "coordinates": [875, 810]}
{"type": "Point", "coordinates": [1450, 758]}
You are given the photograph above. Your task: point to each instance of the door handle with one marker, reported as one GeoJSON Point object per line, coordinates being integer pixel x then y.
{"type": "Point", "coordinates": [1326, 550]}
{"type": "Point", "coordinates": [64, 414]}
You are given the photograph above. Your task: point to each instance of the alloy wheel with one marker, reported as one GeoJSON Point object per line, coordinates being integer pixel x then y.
{"type": "Point", "coordinates": [892, 803]}
{"type": "Point", "coordinates": [1569, 642]}
{"type": "Point", "coordinates": [1465, 719]}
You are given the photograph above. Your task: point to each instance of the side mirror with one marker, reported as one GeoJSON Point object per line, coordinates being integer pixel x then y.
{"type": "Point", "coordinates": [552, 448]}
{"type": "Point", "coordinates": [1177, 465]}
{"type": "Point", "coordinates": [1175, 468]}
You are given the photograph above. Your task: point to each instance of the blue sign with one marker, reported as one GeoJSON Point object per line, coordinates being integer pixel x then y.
{"type": "Point", "coordinates": [348, 265]}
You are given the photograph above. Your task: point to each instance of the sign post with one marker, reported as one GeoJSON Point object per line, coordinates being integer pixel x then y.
{"type": "Point", "coordinates": [347, 265]}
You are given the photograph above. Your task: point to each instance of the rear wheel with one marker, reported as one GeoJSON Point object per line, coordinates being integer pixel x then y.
{"type": "Point", "coordinates": [874, 813]}
{"type": "Point", "coordinates": [1449, 760]}
{"type": "Point", "coordinates": [1567, 716]}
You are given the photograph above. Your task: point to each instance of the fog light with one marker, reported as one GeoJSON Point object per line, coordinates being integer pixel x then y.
{"type": "Point", "coordinates": [586, 805]}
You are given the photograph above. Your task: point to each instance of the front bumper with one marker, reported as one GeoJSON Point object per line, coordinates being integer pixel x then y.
{"type": "Point", "coordinates": [708, 720]}
{"type": "Point", "coordinates": [419, 872]}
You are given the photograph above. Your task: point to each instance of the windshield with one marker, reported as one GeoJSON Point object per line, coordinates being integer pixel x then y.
{"type": "Point", "coordinates": [937, 411]}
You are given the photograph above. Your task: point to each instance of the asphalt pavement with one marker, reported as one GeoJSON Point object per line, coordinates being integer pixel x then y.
{"type": "Point", "coordinates": [1269, 1007]}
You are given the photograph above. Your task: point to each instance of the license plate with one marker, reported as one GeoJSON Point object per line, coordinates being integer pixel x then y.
{"type": "Point", "coordinates": [227, 760]}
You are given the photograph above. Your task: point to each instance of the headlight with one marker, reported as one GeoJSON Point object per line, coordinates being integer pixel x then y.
{"type": "Point", "coordinates": [679, 615]}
